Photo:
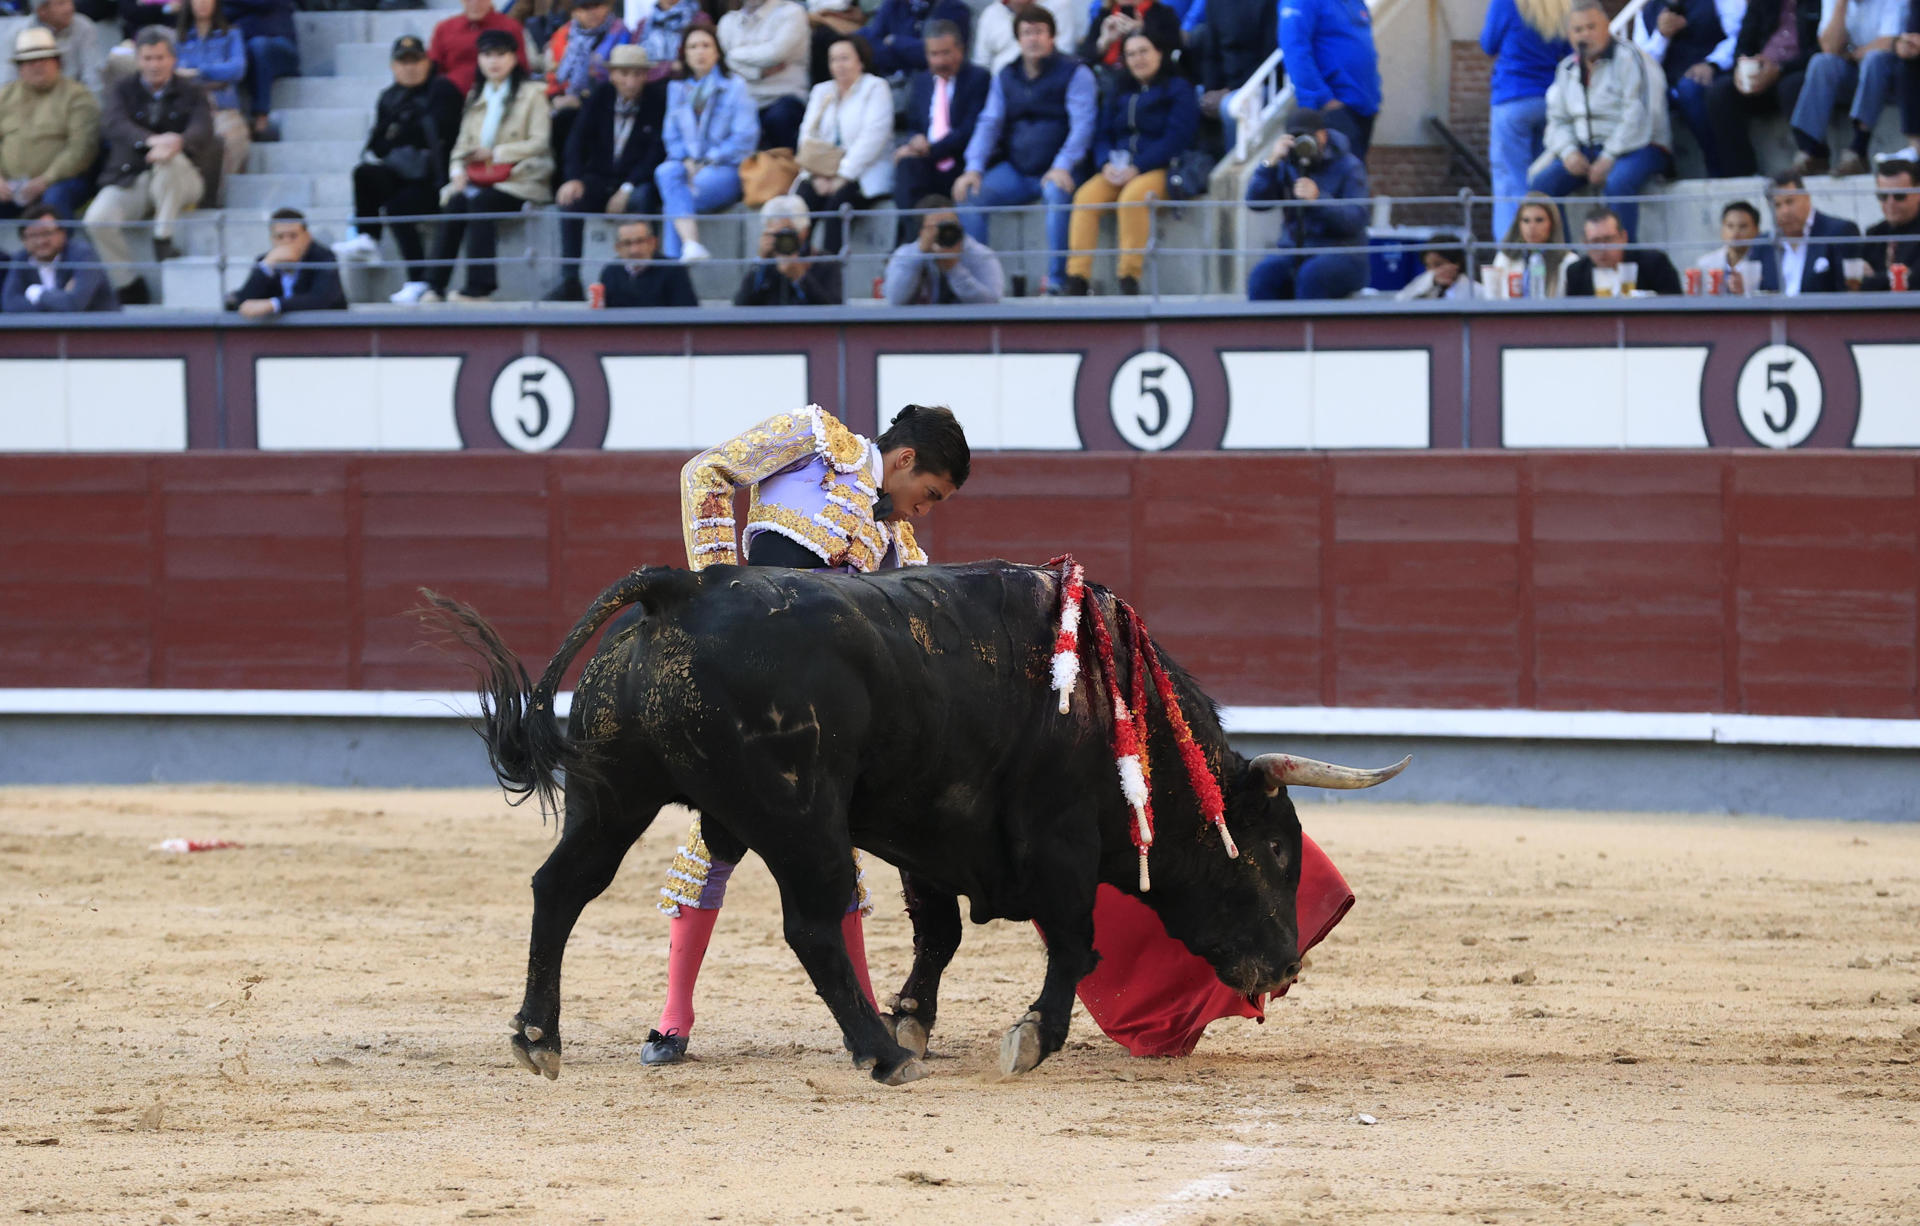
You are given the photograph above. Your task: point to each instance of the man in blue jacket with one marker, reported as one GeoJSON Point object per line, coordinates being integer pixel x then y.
{"type": "Point", "coordinates": [1331, 61]}
{"type": "Point", "coordinates": [55, 273]}
{"type": "Point", "coordinates": [943, 105]}
{"type": "Point", "coordinates": [1035, 130]}
{"type": "Point", "coordinates": [897, 31]}
{"type": "Point", "coordinates": [1692, 40]}
{"type": "Point", "coordinates": [1313, 165]}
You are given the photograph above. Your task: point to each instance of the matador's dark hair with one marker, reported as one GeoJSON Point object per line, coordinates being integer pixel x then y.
{"type": "Point", "coordinates": [939, 443]}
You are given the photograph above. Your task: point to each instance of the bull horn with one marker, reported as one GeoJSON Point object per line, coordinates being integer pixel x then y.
{"type": "Point", "coordinates": [1283, 768]}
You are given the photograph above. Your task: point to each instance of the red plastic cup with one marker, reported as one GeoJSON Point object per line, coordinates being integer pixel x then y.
{"type": "Point", "coordinates": [1897, 277]}
{"type": "Point", "coordinates": [597, 296]}
{"type": "Point", "coordinates": [1516, 284]}
{"type": "Point", "coordinates": [1693, 282]}
{"type": "Point", "coordinates": [1718, 278]}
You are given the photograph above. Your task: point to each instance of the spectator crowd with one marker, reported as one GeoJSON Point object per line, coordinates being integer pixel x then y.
{"type": "Point", "coordinates": [810, 111]}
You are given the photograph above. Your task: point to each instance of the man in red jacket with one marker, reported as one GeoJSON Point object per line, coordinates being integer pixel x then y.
{"type": "Point", "coordinates": [454, 49]}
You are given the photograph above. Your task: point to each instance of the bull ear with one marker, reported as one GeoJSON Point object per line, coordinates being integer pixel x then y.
{"type": "Point", "coordinates": [1282, 769]}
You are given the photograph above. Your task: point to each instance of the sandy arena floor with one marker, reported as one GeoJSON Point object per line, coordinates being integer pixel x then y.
{"type": "Point", "coordinates": [1552, 1017]}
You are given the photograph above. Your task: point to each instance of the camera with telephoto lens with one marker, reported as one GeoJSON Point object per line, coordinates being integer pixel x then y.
{"type": "Point", "coordinates": [1305, 154]}
{"type": "Point", "coordinates": [948, 234]}
{"type": "Point", "coordinates": [786, 242]}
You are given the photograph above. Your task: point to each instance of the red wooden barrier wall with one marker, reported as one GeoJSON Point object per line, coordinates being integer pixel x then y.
{"type": "Point", "coordinates": [1684, 582]}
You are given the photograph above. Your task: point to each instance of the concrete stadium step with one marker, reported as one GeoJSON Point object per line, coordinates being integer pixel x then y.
{"type": "Point", "coordinates": [324, 123]}
{"type": "Point", "coordinates": [313, 158]}
{"type": "Point", "coordinates": [264, 192]}
{"type": "Point", "coordinates": [362, 59]}
{"type": "Point", "coordinates": [328, 91]}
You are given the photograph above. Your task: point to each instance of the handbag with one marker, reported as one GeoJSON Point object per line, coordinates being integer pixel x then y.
{"type": "Point", "coordinates": [819, 158]}
{"type": "Point", "coordinates": [1188, 174]}
{"type": "Point", "coordinates": [410, 162]}
{"type": "Point", "coordinates": [488, 174]}
{"type": "Point", "coordinates": [767, 174]}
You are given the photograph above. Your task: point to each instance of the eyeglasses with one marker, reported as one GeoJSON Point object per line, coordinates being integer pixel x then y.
{"type": "Point", "coordinates": [1883, 197]}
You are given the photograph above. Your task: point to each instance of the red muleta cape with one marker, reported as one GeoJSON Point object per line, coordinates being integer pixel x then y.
{"type": "Point", "coordinates": [1154, 996]}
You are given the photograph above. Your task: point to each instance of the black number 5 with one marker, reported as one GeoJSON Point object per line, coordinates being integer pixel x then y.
{"type": "Point", "coordinates": [1789, 399]}
{"type": "Point", "coordinates": [1150, 386]}
{"type": "Point", "coordinates": [530, 390]}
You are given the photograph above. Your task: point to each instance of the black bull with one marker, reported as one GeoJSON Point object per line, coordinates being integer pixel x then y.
{"type": "Point", "coordinates": [908, 713]}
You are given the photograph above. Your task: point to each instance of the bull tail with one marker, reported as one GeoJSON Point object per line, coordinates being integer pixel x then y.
{"type": "Point", "coordinates": [525, 745]}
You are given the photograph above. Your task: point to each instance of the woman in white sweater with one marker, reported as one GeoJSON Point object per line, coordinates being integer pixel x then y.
{"type": "Point", "coordinates": [846, 140]}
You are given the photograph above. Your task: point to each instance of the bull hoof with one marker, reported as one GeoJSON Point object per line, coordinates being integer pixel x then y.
{"type": "Point", "coordinates": [911, 1033]}
{"type": "Point", "coordinates": [911, 1070]}
{"type": "Point", "coordinates": [1020, 1050]}
{"type": "Point", "coordinates": [536, 1051]}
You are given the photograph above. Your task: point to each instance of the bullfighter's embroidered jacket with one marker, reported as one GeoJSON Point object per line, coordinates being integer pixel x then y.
{"type": "Point", "coordinates": [813, 480]}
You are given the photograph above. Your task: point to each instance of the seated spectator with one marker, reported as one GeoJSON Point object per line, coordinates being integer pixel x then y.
{"type": "Point", "coordinates": [538, 19]}
{"type": "Point", "coordinates": [1606, 117]}
{"type": "Point", "coordinates": [217, 52]}
{"type": "Point", "coordinates": [161, 155]}
{"type": "Point", "coordinates": [1332, 64]}
{"type": "Point", "coordinates": [296, 273]}
{"type": "Point", "coordinates": [83, 50]}
{"type": "Point", "coordinates": [660, 31]}
{"type": "Point", "coordinates": [404, 163]}
{"type": "Point", "coordinates": [1150, 118]}
{"type": "Point", "coordinates": [1536, 230]}
{"type": "Point", "coordinates": [1236, 37]}
{"type": "Point", "coordinates": [1114, 21]}
{"type": "Point", "coordinates": [897, 31]}
{"type": "Point", "coordinates": [845, 140]}
{"type": "Point", "coordinates": [1311, 163]}
{"type": "Point", "coordinates": [1855, 67]}
{"type": "Point", "coordinates": [943, 106]}
{"type": "Point", "coordinates": [1445, 277]}
{"type": "Point", "coordinates": [1611, 269]}
{"type": "Point", "coordinates": [1692, 41]}
{"type": "Point", "coordinates": [1743, 262]}
{"type": "Point", "coordinates": [579, 54]}
{"type": "Point", "coordinates": [1797, 261]}
{"type": "Point", "coordinates": [1896, 238]}
{"type": "Point", "coordinates": [49, 131]}
{"type": "Point", "coordinates": [454, 47]}
{"type": "Point", "coordinates": [501, 162]}
{"type": "Point", "coordinates": [785, 275]}
{"type": "Point", "coordinates": [1770, 53]}
{"type": "Point", "coordinates": [610, 159]}
{"type": "Point", "coordinates": [1031, 136]}
{"type": "Point", "coordinates": [994, 43]}
{"type": "Point", "coordinates": [944, 265]}
{"type": "Point", "coordinates": [1907, 47]}
{"type": "Point", "coordinates": [137, 15]}
{"type": "Point", "coordinates": [55, 272]}
{"type": "Point", "coordinates": [765, 44]}
{"type": "Point", "coordinates": [710, 127]}
{"type": "Point", "coordinates": [273, 51]}
{"type": "Point", "coordinates": [641, 280]}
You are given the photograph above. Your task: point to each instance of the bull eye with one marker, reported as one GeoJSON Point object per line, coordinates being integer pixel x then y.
{"type": "Point", "coordinates": [1280, 852]}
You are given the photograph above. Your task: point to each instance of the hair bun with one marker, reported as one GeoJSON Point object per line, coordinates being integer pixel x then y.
{"type": "Point", "coordinates": [905, 414]}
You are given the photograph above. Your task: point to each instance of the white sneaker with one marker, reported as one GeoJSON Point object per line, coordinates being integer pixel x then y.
{"type": "Point", "coordinates": [410, 293]}
{"type": "Point", "coordinates": [357, 247]}
{"type": "Point", "coordinates": [693, 251]}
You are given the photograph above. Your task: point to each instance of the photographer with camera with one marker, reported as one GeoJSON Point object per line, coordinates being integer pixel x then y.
{"type": "Point", "coordinates": [943, 266]}
{"type": "Point", "coordinates": [1309, 165]}
{"type": "Point", "coordinates": [786, 275]}
{"type": "Point", "coordinates": [1606, 117]}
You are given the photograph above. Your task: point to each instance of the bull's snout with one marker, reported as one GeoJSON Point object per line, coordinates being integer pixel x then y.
{"type": "Point", "coordinates": [1291, 973]}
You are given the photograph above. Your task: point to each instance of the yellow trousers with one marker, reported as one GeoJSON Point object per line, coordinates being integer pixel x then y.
{"type": "Point", "coordinates": [1083, 233]}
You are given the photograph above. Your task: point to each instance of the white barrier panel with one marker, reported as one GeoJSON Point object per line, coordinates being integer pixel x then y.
{"type": "Point", "coordinates": [685, 403]}
{"type": "Point", "coordinates": [93, 404]}
{"type": "Point", "coordinates": [1889, 396]}
{"type": "Point", "coordinates": [1328, 398]}
{"type": "Point", "coordinates": [356, 404]}
{"type": "Point", "coordinates": [1006, 401]}
{"type": "Point", "coordinates": [1602, 396]}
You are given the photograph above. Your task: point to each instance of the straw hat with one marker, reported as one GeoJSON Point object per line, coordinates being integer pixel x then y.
{"type": "Point", "coordinates": [35, 43]}
{"type": "Point", "coordinates": [626, 55]}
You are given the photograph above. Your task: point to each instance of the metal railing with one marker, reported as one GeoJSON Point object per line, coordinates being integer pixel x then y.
{"type": "Point", "coordinates": [1181, 256]}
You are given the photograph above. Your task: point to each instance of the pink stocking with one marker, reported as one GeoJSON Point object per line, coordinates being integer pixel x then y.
{"type": "Point", "coordinates": [856, 938]}
{"type": "Point", "coordinates": [687, 937]}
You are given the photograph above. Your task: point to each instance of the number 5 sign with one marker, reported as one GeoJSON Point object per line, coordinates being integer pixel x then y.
{"type": "Point", "coordinates": [1779, 396]}
{"type": "Point", "coordinates": [1151, 401]}
{"type": "Point", "coordinates": [532, 403]}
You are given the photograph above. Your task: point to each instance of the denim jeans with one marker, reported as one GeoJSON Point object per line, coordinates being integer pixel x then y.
{"type": "Point", "coordinates": [269, 59]}
{"type": "Point", "coordinates": [1513, 142]}
{"type": "Point", "coordinates": [1004, 184]}
{"type": "Point", "coordinates": [1303, 276]}
{"type": "Point", "coordinates": [713, 189]}
{"type": "Point", "coordinates": [62, 194]}
{"type": "Point", "coordinates": [1688, 101]}
{"type": "Point", "coordinates": [1833, 80]}
{"type": "Point", "coordinates": [1630, 172]}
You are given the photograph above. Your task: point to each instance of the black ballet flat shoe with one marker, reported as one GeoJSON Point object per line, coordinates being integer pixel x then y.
{"type": "Point", "coordinates": [668, 1048]}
